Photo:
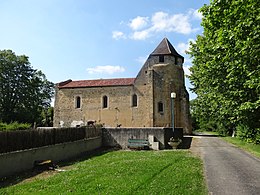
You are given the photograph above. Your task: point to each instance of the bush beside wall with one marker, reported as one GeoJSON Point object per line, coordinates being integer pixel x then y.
{"type": "Point", "coordinates": [14, 126]}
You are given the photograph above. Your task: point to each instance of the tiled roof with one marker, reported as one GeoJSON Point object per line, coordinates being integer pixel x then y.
{"type": "Point", "coordinates": [96, 83]}
{"type": "Point", "coordinates": [165, 48]}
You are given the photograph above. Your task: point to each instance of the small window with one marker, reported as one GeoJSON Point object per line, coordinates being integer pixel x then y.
{"type": "Point", "coordinates": [105, 101]}
{"type": "Point", "coordinates": [161, 58]}
{"type": "Point", "coordinates": [178, 61]}
{"type": "Point", "coordinates": [160, 107]}
{"type": "Point", "coordinates": [134, 100]}
{"type": "Point", "coordinates": [78, 102]}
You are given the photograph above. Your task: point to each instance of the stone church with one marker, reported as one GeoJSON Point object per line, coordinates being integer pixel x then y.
{"type": "Point", "coordinates": [143, 101]}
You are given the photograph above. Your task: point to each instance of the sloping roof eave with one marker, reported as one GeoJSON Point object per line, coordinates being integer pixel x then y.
{"type": "Point", "coordinates": [96, 83]}
{"type": "Point", "coordinates": [76, 87]}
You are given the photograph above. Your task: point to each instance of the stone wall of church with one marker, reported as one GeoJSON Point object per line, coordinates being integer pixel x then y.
{"type": "Point", "coordinates": [118, 112]}
{"type": "Point", "coordinates": [169, 77]}
{"type": "Point", "coordinates": [161, 75]}
{"type": "Point", "coordinates": [153, 85]}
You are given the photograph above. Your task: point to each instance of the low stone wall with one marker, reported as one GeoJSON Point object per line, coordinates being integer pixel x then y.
{"type": "Point", "coordinates": [14, 162]}
{"type": "Point", "coordinates": [18, 161]}
{"type": "Point", "coordinates": [118, 137]}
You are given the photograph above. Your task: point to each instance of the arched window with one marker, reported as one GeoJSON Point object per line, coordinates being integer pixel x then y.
{"type": "Point", "coordinates": [105, 101]}
{"type": "Point", "coordinates": [134, 100]}
{"type": "Point", "coordinates": [78, 102]}
{"type": "Point", "coordinates": [160, 107]}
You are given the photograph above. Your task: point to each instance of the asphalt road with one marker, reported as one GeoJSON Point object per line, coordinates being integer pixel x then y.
{"type": "Point", "coordinates": [228, 169]}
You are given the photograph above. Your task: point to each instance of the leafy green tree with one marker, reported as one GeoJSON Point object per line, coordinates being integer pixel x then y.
{"type": "Point", "coordinates": [46, 117]}
{"type": "Point", "coordinates": [24, 92]}
{"type": "Point", "coordinates": [226, 68]}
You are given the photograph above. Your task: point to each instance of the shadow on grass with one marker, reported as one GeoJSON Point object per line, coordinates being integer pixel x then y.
{"type": "Point", "coordinates": [15, 179]}
{"type": "Point", "coordinates": [18, 178]}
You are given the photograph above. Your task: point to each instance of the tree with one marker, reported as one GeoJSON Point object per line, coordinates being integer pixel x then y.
{"type": "Point", "coordinates": [47, 117]}
{"type": "Point", "coordinates": [226, 68]}
{"type": "Point", "coordinates": [24, 92]}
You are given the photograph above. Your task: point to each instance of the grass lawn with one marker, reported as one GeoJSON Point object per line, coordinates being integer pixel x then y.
{"type": "Point", "coordinates": [252, 148]}
{"type": "Point", "coordinates": [123, 172]}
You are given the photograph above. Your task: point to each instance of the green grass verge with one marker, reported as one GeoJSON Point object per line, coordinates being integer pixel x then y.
{"type": "Point", "coordinates": [124, 172]}
{"type": "Point", "coordinates": [252, 148]}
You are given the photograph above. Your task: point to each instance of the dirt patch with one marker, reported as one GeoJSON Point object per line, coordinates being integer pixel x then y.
{"type": "Point", "coordinates": [195, 146]}
{"type": "Point", "coordinates": [46, 174]}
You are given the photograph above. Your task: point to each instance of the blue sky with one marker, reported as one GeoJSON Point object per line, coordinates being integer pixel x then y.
{"type": "Point", "coordinates": [92, 39]}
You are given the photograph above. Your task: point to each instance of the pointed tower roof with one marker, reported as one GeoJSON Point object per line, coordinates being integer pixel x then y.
{"type": "Point", "coordinates": [165, 48]}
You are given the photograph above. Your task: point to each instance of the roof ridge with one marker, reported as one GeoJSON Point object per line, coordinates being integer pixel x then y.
{"type": "Point", "coordinates": [99, 83]}
{"type": "Point", "coordinates": [167, 42]}
{"type": "Point", "coordinates": [104, 79]}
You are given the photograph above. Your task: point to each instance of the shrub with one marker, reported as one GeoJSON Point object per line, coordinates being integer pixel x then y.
{"type": "Point", "coordinates": [221, 129]}
{"type": "Point", "coordinates": [2, 126]}
{"type": "Point", "coordinates": [208, 125]}
{"type": "Point", "coordinates": [248, 134]}
{"type": "Point", "coordinates": [14, 126]}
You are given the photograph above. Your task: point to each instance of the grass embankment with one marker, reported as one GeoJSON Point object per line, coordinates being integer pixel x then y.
{"type": "Point", "coordinates": [124, 172]}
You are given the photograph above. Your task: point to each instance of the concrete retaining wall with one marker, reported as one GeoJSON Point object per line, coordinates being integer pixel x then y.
{"type": "Point", "coordinates": [119, 136]}
{"type": "Point", "coordinates": [18, 161]}
{"type": "Point", "coordinates": [14, 162]}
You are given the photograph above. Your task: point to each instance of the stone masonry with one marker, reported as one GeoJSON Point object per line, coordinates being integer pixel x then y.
{"type": "Point", "coordinates": [143, 101]}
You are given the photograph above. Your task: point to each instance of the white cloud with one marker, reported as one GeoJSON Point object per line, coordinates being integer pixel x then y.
{"type": "Point", "coordinates": [163, 22]}
{"type": "Point", "coordinates": [145, 27]}
{"type": "Point", "coordinates": [138, 23]}
{"type": "Point", "coordinates": [196, 14]}
{"type": "Point", "coordinates": [180, 24]}
{"type": "Point", "coordinates": [183, 47]}
{"type": "Point", "coordinates": [106, 69]}
{"type": "Point", "coordinates": [140, 35]}
{"type": "Point", "coordinates": [186, 69]}
{"type": "Point", "coordinates": [159, 21]}
{"type": "Point", "coordinates": [118, 35]}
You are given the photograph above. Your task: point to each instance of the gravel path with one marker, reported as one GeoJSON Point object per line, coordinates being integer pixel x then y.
{"type": "Point", "coordinates": [228, 169]}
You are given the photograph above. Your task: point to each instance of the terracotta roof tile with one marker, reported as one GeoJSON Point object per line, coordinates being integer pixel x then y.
{"type": "Point", "coordinates": [96, 83]}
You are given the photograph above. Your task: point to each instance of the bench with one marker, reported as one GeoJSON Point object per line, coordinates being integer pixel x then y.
{"type": "Point", "coordinates": [138, 144]}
